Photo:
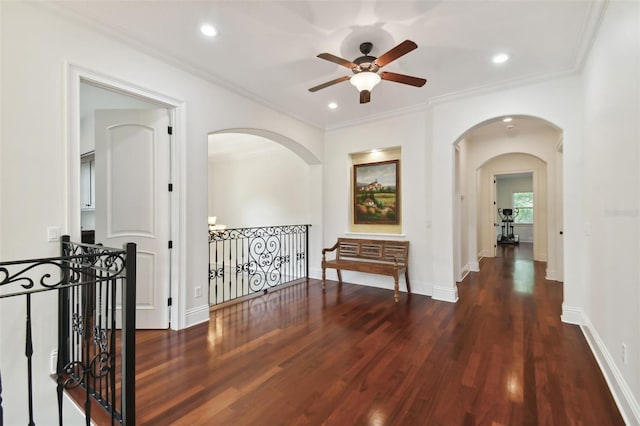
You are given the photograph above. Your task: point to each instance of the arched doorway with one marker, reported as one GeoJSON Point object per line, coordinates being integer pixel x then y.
{"type": "Point", "coordinates": [503, 145]}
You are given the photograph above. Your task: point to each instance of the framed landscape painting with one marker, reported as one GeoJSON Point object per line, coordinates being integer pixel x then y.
{"type": "Point", "coordinates": [376, 193]}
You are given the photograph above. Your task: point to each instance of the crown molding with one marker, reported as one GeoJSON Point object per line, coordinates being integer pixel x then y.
{"type": "Point", "coordinates": [112, 33]}
{"type": "Point", "coordinates": [595, 15]}
{"type": "Point", "coordinates": [377, 117]}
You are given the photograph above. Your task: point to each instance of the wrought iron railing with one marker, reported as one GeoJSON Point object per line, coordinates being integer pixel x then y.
{"type": "Point", "coordinates": [247, 261]}
{"type": "Point", "coordinates": [96, 289]}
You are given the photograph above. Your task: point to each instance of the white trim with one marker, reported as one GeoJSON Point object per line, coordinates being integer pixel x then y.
{"type": "Point", "coordinates": [589, 33]}
{"type": "Point", "coordinates": [551, 275]}
{"type": "Point", "coordinates": [622, 394]}
{"type": "Point", "coordinates": [595, 15]}
{"type": "Point", "coordinates": [464, 272]}
{"type": "Point", "coordinates": [571, 315]}
{"type": "Point", "coordinates": [74, 74]}
{"type": "Point", "coordinates": [445, 294]}
{"type": "Point", "coordinates": [151, 51]}
{"type": "Point", "coordinates": [421, 107]}
{"type": "Point", "coordinates": [315, 273]}
{"type": "Point", "coordinates": [428, 288]}
{"type": "Point", "coordinates": [197, 315]}
{"type": "Point", "coordinates": [474, 266]}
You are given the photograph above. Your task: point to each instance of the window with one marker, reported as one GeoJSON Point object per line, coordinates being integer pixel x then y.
{"type": "Point", "coordinates": [523, 201]}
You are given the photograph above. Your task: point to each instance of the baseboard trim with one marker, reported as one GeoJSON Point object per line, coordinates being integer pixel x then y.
{"type": "Point", "coordinates": [197, 315]}
{"type": "Point", "coordinates": [474, 266]}
{"type": "Point", "coordinates": [445, 294]}
{"type": "Point", "coordinates": [627, 404]}
{"type": "Point", "coordinates": [551, 275]}
{"type": "Point", "coordinates": [464, 273]}
{"type": "Point", "coordinates": [572, 315]}
{"type": "Point", "coordinates": [315, 273]}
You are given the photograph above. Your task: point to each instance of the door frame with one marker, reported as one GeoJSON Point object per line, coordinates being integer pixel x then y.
{"type": "Point", "coordinates": [493, 195]}
{"type": "Point", "coordinates": [74, 76]}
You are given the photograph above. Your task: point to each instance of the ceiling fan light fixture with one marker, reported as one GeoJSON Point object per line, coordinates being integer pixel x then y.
{"type": "Point", "coordinates": [365, 80]}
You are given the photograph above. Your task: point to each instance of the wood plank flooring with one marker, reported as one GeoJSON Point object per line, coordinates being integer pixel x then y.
{"type": "Point", "coordinates": [351, 356]}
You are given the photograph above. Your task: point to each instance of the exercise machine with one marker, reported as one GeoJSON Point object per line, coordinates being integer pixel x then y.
{"type": "Point", "coordinates": [507, 216]}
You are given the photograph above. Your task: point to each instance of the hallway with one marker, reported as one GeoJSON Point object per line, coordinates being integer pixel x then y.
{"type": "Point", "coordinates": [517, 251]}
{"type": "Point", "coordinates": [500, 356]}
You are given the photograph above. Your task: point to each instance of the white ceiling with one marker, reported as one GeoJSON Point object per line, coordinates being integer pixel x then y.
{"type": "Point", "coordinates": [267, 49]}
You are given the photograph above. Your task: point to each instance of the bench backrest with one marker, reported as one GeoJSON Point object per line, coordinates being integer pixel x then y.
{"type": "Point", "coordinates": [380, 250]}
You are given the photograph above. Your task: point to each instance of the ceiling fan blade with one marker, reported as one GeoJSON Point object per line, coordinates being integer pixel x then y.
{"type": "Point", "coordinates": [330, 83]}
{"type": "Point", "coordinates": [365, 96]}
{"type": "Point", "coordinates": [393, 54]}
{"type": "Point", "coordinates": [337, 60]}
{"type": "Point", "coordinates": [404, 79]}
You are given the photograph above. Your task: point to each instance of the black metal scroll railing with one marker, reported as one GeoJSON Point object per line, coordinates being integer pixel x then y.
{"type": "Point", "coordinates": [247, 261]}
{"type": "Point", "coordinates": [96, 289]}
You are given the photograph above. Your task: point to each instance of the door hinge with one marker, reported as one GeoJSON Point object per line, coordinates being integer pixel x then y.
{"type": "Point", "coordinates": [170, 187]}
{"type": "Point", "coordinates": [170, 244]}
{"type": "Point", "coordinates": [169, 301]}
{"type": "Point", "coordinates": [170, 130]}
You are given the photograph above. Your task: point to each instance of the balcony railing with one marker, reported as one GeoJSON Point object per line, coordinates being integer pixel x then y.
{"type": "Point", "coordinates": [96, 288]}
{"type": "Point", "coordinates": [249, 261]}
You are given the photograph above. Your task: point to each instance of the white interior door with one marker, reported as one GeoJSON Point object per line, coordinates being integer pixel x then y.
{"type": "Point", "coordinates": [132, 158]}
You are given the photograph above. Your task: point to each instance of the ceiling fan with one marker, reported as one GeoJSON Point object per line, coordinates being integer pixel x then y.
{"type": "Point", "coordinates": [365, 69]}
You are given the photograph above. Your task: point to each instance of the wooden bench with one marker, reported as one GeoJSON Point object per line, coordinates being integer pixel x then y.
{"type": "Point", "coordinates": [383, 257]}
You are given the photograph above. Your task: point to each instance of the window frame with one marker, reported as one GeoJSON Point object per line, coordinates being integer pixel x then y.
{"type": "Point", "coordinates": [513, 202]}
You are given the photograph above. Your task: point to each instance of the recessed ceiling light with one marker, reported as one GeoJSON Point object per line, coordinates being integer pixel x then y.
{"type": "Point", "coordinates": [332, 105]}
{"type": "Point", "coordinates": [507, 119]}
{"type": "Point", "coordinates": [500, 58]}
{"type": "Point", "coordinates": [208, 30]}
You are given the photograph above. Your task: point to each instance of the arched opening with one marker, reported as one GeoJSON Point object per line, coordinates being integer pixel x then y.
{"type": "Point", "coordinates": [263, 192]}
{"type": "Point", "coordinates": [508, 145]}
{"type": "Point", "coordinates": [256, 181]}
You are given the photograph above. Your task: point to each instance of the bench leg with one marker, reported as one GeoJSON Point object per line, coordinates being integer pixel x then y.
{"type": "Point", "coordinates": [396, 288]}
{"type": "Point", "coordinates": [339, 276]}
{"type": "Point", "coordinates": [406, 277]}
{"type": "Point", "coordinates": [324, 276]}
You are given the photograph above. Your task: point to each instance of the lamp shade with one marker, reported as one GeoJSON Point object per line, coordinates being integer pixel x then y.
{"type": "Point", "coordinates": [365, 80]}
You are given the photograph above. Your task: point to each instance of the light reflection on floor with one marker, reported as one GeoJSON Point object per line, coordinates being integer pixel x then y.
{"type": "Point", "coordinates": [523, 281]}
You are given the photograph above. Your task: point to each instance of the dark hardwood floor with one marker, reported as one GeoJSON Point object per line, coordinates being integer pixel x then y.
{"type": "Point", "coordinates": [520, 251]}
{"type": "Point", "coordinates": [351, 356]}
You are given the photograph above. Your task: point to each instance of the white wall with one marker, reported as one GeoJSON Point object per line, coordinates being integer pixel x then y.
{"type": "Point", "coordinates": [265, 186]}
{"type": "Point", "coordinates": [611, 308]}
{"type": "Point", "coordinates": [409, 133]}
{"type": "Point", "coordinates": [465, 259]}
{"type": "Point", "coordinates": [36, 46]}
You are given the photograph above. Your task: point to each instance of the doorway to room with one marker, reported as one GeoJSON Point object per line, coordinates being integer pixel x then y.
{"type": "Point", "coordinates": [514, 215]}
{"type": "Point", "coordinates": [123, 154]}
